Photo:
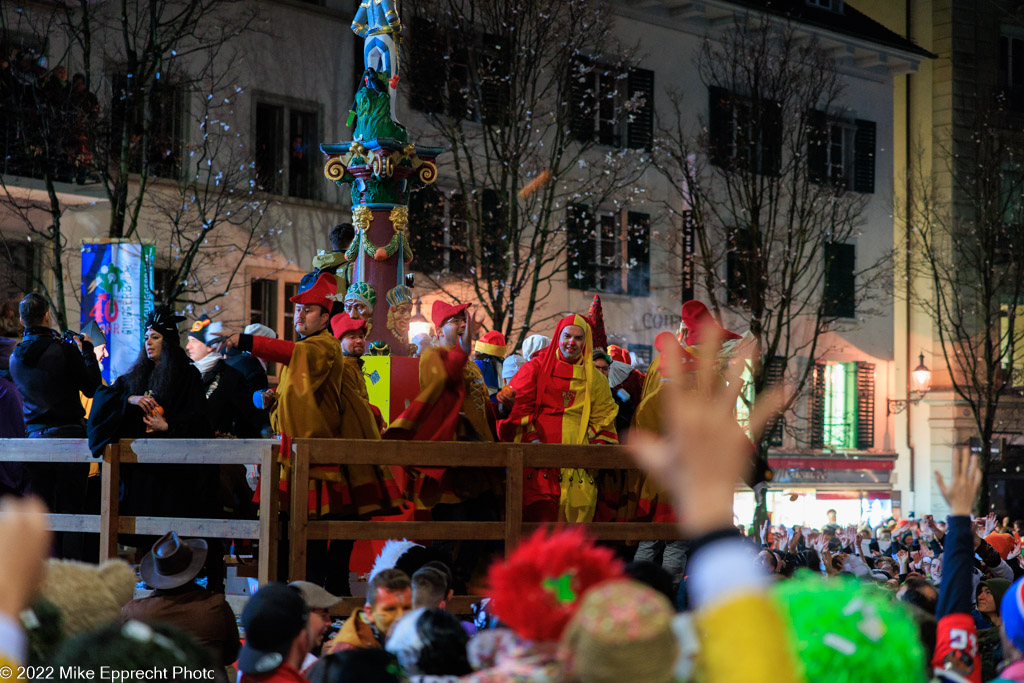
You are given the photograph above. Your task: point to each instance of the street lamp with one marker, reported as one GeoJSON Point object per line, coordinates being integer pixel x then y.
{"type": "Point", "coordinates": [920, 383]}
{"type": "Point", "coordinates": [418, 324]}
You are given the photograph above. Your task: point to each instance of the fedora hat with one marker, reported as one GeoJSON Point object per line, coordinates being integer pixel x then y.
{"type": "Point", "coordinates": [173, 561]}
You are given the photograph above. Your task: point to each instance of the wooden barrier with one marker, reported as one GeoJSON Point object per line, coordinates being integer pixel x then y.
{"type": "Point", "coordinates": [512, 457]}
{"type": "Point", "coordinates": [108, 524]}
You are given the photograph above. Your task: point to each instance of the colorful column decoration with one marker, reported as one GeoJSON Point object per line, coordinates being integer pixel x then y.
{"type": "Point", "coordinates": [383, 167]}
{"type": "Point", "coordinates": [117, 293]}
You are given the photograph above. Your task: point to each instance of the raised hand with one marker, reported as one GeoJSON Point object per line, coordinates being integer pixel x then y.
{"type": "Point", "coordinates": [963, 488]}
{"type": "Point", "coordinates": [990, 523]}
{"type": "Point", "coordinates": [765, 528]}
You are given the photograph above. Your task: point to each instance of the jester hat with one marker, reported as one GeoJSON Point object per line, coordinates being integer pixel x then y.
{"type": "Point", "coordinates": [539, 587]}
{"type": "Point", "coordinates": [549, 356]}
{"type": "Point", "coordinates": [492, 344]}
{"type": "Point", "coordinates": [701, 325]}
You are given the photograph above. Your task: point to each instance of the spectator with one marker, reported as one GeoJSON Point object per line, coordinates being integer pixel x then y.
{"type": "Point", "coordinates": [430, 645]}
{"type": "Point", "coordinates": [25, 539]}
{"type": "Point", "coordinates": [49, 373]}
{"type": "Point", "coordinates": [229, 405]}
{"type": "Point", "coordinates": [13, 478]}
{"type": "Point", "coordinates": [349, 666]}
{"type": "Point", "coordinates": [429, 589]}
{"type": "Point", "coordinates": [388, 598]}
{"type": "Point", "coordinates": [276, 635]}
{"type": "Point", "coordinates": [1012, 632]}
{"type": "Point", "coordinates": [170, 568]}
{"type": "Point", "coordinates": [319, 603]}
{"type": "Point", "coordinates": [9, 324]}
{"type": "Point", "coordinates": [134, 646]}
{"type": "Point", "coordinates": [988, 600]}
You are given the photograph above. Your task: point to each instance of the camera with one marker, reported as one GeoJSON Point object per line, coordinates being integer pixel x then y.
{"type": "Point", "coordinates": [71, 337]}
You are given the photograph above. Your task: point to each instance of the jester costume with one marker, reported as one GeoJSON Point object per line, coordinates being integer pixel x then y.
{"type": "Point", "coordinates": [557, 401]}
{"type": "Point", "coordinates": [321, 394]}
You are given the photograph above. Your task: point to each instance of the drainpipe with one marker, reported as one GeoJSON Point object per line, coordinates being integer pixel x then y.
{"type": "Point", "coordinates": [908, 253]}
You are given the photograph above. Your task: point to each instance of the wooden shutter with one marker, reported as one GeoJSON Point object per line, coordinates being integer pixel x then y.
{"type": "Point", "coordinates": [640, 134]}
{"type": "Point", "coordinates": [865, 405]}
{"type": "Point", "coordinates": [494, 85]}
{"type": "Point", "coordinates": [840, 263]}
{"type": "Point", "coordinates": [775, 373]}
{"type": "Point", "coordinates": [864, 157]}
{"type": "Point", "coordinates": [737, 266]}
{"type": "Point", "coordinates": [580, 271]}
{"type": "Point", "coordinates": [816, 434]}
{"type": "Point", "coordinates": [426, 66]}
{"type": "Point", "coordinates": [817, 146]}
{"type": "Point", "coordinates": [720, 126]}
{"type": "Point", "coordinates": [492, 236]}
{"type": "Point", "coordinates": [770, 138]}
{"type": "Point", "coordinates": [582, 99]}
{"type": "Point", "coordinates": [638, 253]}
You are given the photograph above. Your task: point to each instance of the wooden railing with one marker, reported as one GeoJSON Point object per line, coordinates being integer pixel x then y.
{"type": "Point", "coordinates": [109, 523]}
{"type": "Point", "coordinates": [512, 457]}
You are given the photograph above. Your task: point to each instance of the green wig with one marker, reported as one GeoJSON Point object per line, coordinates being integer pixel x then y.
{"type": "Point", "coordinates": [846, 631]}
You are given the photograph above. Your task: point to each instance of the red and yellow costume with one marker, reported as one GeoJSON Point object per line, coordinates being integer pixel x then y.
{"type": "Point", "coordinates": [557, 401]}
{"type": "Point", "coordinates": [452, 406]}
{"type": "Point", "coordinates": [321, 394]}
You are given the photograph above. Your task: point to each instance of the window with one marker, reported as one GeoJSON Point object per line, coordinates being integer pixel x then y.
{"type": "Point", "coordinates": [1011, 66]}
{"type": "Point", "coordinates": [463, 74]}
{"type": "Point", "coordinates": [263, 302]}
{"type": "Point", "coordinates": [842, 405]}
{"type": "Point", "coordinates": [831, 5]}
{"type": "Point", "coordinates": [440, 242]}
{"type": "Point", "coordinates": [744, 134]}
{"type": "Point", "coordinates": [612, 105]}
{"type": "Point", "coordinates": [608, 251]}
{"type": "Point", "coordinates": [841, 153]}
{"type": "Point", "coordinates": [840, 300]}
{"type": "Point", "coordinates": [167, 108]}
{"type": "Point", "coordinates": [20, 265]}
{"type": "Point", "coordinates": [286, 149]}
{"type": "Point", "coordinates": [774, 374]}
{"type": "Point", "coordinates": [268, 303]}
{"type": "Point", "coordinates": [737, 266]}
{"type": "Point", "coordinates": [1013, 367]}
{"type": "Point", "coordinates": [290, 290]}
{"type": "Point", "coordinates": [163, 284]}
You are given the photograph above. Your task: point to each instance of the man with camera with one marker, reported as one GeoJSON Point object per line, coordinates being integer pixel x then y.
{"type": "Point", "coordinates": [50, 370]}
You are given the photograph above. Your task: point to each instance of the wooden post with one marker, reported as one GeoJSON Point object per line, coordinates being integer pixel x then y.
{"type": "Point", "coordinates": [297, 529]}
{"type": "Point", "coordinates": [269, 504]}
{"type": "Point", "coordinates": [513, 498]}
{"type": "Point", "coordinates": [110, 474]}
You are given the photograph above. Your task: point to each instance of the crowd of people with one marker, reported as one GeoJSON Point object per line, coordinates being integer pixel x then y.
{"type": "Point", "coordinates": [908, 600]}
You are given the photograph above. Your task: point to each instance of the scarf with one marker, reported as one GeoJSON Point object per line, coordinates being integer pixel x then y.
{"type": "Point", "coordinates": [206, 363]}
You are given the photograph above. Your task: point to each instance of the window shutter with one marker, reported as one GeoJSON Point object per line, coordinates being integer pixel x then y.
{"type": "Point", "coordinates": [865, 405]}
{"type": "Point", "coordinates": [426, 71]}
{"type": "Point", "coordinates": [770, 121]}
{"type": "Point", "coordinates": [492, 235]}
{"type": "Point", "coordinates": [840, 263]}
{"type": "Point", "coordinates": [427, 240]}
{"type": "Point", "coordinates": [641, 125]}
{"type": "Point", "coordinates": [736, 264]}
{"type": "Point", "coordinates": [639, 254]}
{"type": "Point", "coordinates": [864, 157]}
{"type": "Point", "coordinates": [817, 406]}
{"type": "Point", "coordinates": [580, 254]}
{"type": "Point", "coordinates": [582, 99]}
{"type": "Point", "coordinates": [775, 372]}
{"type": "Point", "coordinates": [494, 85]}
{"type": "Point", "coordinates": [817, 146]}
{"type": "Point", "coordinates": [720, 125]}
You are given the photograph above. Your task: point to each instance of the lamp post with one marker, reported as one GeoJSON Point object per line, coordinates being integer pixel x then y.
{"type": "Point", "coordinates": [920, 383]}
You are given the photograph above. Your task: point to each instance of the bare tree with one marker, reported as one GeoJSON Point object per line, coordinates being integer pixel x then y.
{"type": "Point", "coordinates": [512, 92]}
{"type": "Point", "coordinates": [142, 72]}
{"type": "Point", "coordinates": [967, 265]}
{"type": "Point", "coordinates": [767, 201]}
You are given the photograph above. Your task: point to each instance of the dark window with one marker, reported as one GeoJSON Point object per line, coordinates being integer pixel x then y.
{"type": "Point", "coordinates": [644, 352]}
{"type": "Point", "coordinates": [290, 290]}
{"type": "Point", "coordinates": [608, 251]}
{"type": "Point", "coordinates": [493, 236]}
{"type": "Point", "coordinates": [467, 75]}
{"type": "Point", "coordinates": [439, 234]}
{"type": "Point", "coordinates": [1011, 70]}
{"type": "Point", "coordinates": [841, 153]}
{"type": "Point", "coordinates": [744, 134]}
{"type": "Point", "coordinates": [840, 263]}
{"type": "Point", "coordinates": [737, 266]}
{"type": "Point", "coordinates": [163, 284]}
{"type": "Point", "coordinates": [263, 302]}
{"type": "Point", "coordinates": [166, 125]}
{"type": "Point", "coordinates": [610, 105]}
{"type": "Point", "coordinates": [287, 150]}
{"type": "Point", "coordinates": [20, 264]}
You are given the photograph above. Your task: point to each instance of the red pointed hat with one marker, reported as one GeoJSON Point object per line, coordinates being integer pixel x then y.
{"type": "Point", "coordinates": [442, 310]}
{"type": "Point", "coordinates": [700, 324]}
{"type": "Point", "coordinates": [596, 317]}
{"type": "Point", "coordinates": [618, 353]}
{"type": "Point", "coordinates": [342, 324]}
{"type": "Point", "coordinates": [492, 343]}
{"type": "Point", "coordinates": [326, 285]}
